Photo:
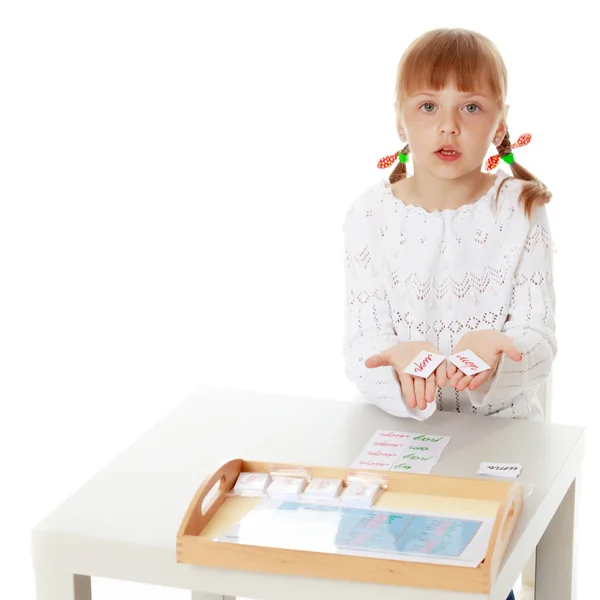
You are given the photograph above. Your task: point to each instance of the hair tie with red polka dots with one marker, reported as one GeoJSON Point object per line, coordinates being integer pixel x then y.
{"type": "Point", "coordinates": [388, 161]}
{"type": "Point", "coordinates": [493, 161]}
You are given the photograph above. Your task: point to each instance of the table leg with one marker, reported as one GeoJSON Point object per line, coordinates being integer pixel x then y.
{"type": "Point", "coordinates": [527, 580]}
{"type": "Point", "coordinates": [54, 585]}
{"type": "Point", "coordinates": [555, 575]}
{"type": "Point", "coordinates": [204, 596]}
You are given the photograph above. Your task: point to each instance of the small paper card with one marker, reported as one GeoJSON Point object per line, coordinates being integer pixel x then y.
{"type": "Point", "coordinates": [251, 483]}
{"type": "Point", "coordinates": [415, 462]}
{"type": "Point", "coordinates": [412, 467]}
{"type": "Point", "coordinates": [382, 453]}
{"type": "Point", "coordinates": [321, 487]}
{"type": "Point", "coordinates": [377, 463]}
{"type": "Point", "coordinates": [286, 487]}
{"type": "Point", "coordinates": [360, 494]}
{"type": "Point", "coordinates": [424, 364]}
{"type": "Point", "coordinates": [381, 441]}
{"type": "Point", "coordinates": [468, 362]}
{"type": "Point", "coordinates": [500, 469]}
{"type": "Point", "coordinates": [433, 444]}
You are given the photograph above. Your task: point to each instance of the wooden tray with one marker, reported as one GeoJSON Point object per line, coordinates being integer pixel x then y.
{"type": "Point", "coordinates": [212, 511]}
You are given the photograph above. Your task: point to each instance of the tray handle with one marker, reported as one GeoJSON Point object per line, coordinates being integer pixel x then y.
{"type": "Point", "coordinates": [506, 521]}
{"type": "Point", "coordinates": [210, 496]}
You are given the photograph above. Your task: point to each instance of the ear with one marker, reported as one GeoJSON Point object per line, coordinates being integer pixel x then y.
{"type": "Point", "coordinates": [501, 130]}
{"type": "Point", "coordinates": [401, 130]}
{"type": "Point", "coordinates": [399, 124]}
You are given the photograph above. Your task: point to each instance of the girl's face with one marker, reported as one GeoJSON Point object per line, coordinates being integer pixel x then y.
{"type": "Point", "coordinates": [467, 121]}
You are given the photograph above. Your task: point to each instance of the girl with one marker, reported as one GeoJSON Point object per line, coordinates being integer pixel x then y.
{"type": "Point", "coordinates": [451, 258]}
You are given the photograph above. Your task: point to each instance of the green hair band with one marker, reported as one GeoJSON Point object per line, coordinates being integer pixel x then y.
{"type": "Point", "coordinates": [403, 158]}
{"type": "Point", "coordinates": [509, 158]}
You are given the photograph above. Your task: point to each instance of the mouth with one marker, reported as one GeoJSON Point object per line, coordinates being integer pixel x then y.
{"type": "Point", "coordinates": [447, 151]}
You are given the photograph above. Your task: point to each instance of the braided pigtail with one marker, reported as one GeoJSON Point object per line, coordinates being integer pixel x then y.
{"type": "Point", "coordinates": [400, 170]}
{"type": "Point", "coordinates": [534, 192]}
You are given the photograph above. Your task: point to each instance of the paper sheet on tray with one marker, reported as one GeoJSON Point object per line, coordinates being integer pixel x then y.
{"type": "Point", "coordinates": [374, 532]}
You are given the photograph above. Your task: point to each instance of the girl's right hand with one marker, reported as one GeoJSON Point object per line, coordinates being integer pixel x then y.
{"type": "Point", "coordinates": [416, 390]}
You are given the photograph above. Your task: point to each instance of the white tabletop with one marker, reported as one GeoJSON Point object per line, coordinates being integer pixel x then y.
{"type": "Point", "coordinates": [123, 522]}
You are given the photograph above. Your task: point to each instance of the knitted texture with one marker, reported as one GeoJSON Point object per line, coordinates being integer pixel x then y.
{"type": "Point", "coordinates": [413, 275]}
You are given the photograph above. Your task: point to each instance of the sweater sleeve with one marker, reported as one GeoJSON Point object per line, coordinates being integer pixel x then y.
{"type": "Point", "coordinates": [369, 326]}
{"type": "Point", "coordinates": [530, 323]}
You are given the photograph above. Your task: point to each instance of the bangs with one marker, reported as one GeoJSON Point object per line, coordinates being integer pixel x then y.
{"type": "Point", "coordinates": [459, 57]}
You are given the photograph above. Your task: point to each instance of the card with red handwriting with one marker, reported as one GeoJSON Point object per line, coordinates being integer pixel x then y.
{"type": "Point", "coordinates": [360, 494]}
{"type": "Point", "coordinates": [392, 442]}
{"type": "Point", "coordinates": [424, 364]}
{"type": "Point", "coordinates": [251, 483]}
{"type": "Point", "coordinates": [377, 461]}
{"type": "Point", "coordinates": [286, 488]}
{"type": "Point", "coordinates": [468, 362]}
{"type": "Point", "coordinates": [321, 487]}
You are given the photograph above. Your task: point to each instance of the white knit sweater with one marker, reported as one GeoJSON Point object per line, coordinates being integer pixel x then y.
{"type": "Point", "coordinates": [418, 275]}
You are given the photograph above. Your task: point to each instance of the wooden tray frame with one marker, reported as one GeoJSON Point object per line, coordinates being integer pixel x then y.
{"type": "Point", "coordinates": [202, 551]}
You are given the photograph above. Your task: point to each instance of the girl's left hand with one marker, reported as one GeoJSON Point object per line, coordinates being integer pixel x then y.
{"type": "Point", "coordinates": [488, 344]}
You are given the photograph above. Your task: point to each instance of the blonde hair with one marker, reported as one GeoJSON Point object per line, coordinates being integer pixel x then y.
{"type": "Point", "coordinates": [467, 59]}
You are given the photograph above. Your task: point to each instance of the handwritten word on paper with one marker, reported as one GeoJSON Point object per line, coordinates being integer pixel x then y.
{"type": "Point", "coordinates": [468, 362]}
{"type": "Point", "coordinates": [389, 444]}
{"type": "Point", "coordinates": [419, 456]}
{"type": "Point", "coordinates": [428, 443]}
{"type": "Point", "coordinates": [378, 463]}
{"type": "Point", "coordinates": [500, 469]}
{"type": "Point", "coordinates": [415, 462]}
{"type": "Point", "coordinates": [411, 466]}
{"type": "Point", "coordinates": [424, 364]}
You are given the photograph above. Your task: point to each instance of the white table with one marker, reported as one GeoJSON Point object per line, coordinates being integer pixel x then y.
{"type": "Point", "coordinates": [123, 522]}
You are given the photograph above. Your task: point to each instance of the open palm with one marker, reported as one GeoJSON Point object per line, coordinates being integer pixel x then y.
{"type": "Point", "coordinates": [416, 390]}
{"type": "Point", "coordinates": [489, 345]}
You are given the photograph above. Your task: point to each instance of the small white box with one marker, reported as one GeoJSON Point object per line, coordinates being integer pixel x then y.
{"type": "Point", "coordinates": [321, 487]}
{"type": "Point", "coordinates": [251, 483]}
{"type": "Point", "coordinates": [360, 494]}
{"type": "Point", "coordinates": [286, 488]}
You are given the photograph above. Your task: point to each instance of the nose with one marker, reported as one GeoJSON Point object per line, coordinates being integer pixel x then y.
{"type": "Point", "coordinates": [448, 125]}
{"type": "Point", "coordinates": [449, 129]}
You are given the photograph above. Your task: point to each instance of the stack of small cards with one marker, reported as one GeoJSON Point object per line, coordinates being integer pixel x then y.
{"type": "Point", "coordinates": [401, 451]}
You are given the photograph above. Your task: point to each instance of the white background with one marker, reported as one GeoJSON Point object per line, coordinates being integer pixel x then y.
{"type": "Point", "coordinates": [174, 177]}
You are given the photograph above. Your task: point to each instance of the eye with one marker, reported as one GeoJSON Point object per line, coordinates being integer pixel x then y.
{"type": "Point", "coordinates": [473, 106]}
{"type": "Point", "coordinates": [428, 104]}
